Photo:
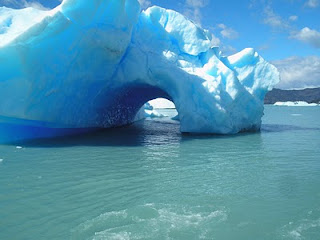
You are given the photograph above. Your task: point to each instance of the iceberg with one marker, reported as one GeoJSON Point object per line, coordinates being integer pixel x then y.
{"type": "Point", "coordinates": [94, 64]}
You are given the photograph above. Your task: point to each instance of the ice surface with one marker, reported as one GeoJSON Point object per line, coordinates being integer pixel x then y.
{"type": "Point", "coordinates": [94, 64]}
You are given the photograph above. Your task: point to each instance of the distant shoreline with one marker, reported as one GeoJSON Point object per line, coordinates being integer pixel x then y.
{"type": "Point", "coordinates": [309, 95]}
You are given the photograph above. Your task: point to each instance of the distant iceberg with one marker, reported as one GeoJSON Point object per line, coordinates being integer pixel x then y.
{"type": "Point", "coordinates": [296, 104]}
{"type": "Point", "coordinates": [148, 111]}
{"type": "Point", "coordinates": [89, 64]}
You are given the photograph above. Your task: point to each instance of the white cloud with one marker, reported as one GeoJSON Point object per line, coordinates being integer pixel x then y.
{"type": "Point", "coordinates": [35, 5]}
{"type": "Point", "coordinates": [299, 72]}
{"type": "Point", "coordinates": [228, 32]}
{"type": "Point", "coordinates": [312, 3]}
{"type": "Point", "coordinates": [197, 3]}
{"type": "Point", "coordinates": [22, 4]}
{"type": "Point", "coordinates": [215, 41]}
{"type": "Point", "coordinates": [193, 14]}
{"type": "Point", "coordinates": [269, 16]}
{"type": "Point", "coordinates": [306, 35]}
{"type": "Point", "coordinates": [144, 3]}
{"type": "Point", "coordinates": [274, 20]}
{"type": "Point", "coordinates": [263, 47]}
{"type": "Point", "coordinates": [293, 18]}
{"type": "Point", "coordinates": [228, 50]}
{"type": "Point", "coordinates": [309, 36]}
{"type": "Point", "coordinates": [193, 9]}
{"type": "Point", "coordinates": [12, 3]}
{"type": "Point", "coordinates": [252, 4]}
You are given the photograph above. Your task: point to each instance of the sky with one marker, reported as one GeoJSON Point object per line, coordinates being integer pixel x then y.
{"type": "Point", "coordinates": [284, 32]}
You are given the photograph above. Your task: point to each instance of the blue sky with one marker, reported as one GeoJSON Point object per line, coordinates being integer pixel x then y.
{"type": "Point", "coordinates": [285, 32]}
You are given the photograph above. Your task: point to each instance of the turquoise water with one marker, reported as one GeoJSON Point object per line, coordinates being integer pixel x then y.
{"type": "Point", "coordinates": [148, 181]}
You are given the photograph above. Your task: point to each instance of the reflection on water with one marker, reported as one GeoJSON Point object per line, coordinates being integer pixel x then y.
{"type": "Point", "coordinates": [283, 127]}
{"type": "Point", "coordinates": [156, 131]}
{"type": "Point", "coordinates": [139, 134]}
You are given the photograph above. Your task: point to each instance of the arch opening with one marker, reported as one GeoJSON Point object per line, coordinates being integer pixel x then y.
{"type": "Point", "coordinates": [158, 108]}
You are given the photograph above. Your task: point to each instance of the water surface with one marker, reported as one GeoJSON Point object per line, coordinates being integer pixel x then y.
{"type": "Point", "coordinates": [148, 181]}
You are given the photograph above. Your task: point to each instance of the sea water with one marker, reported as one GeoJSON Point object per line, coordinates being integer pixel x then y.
{"type": "Point", "coordinates": [149, 181]}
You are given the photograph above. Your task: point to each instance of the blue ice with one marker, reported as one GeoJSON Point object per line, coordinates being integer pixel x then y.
{"type": "Point", "coordinates": [92, 64]}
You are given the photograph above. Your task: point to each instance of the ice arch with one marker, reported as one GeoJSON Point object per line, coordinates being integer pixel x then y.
{"type": "Point", "coordinates": [122, 107]}
{"type": "Point", "coordinates": [94, 63]}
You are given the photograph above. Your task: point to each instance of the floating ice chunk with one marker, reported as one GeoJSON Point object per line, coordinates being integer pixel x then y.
{"type": "Point", "coordinates": [296, 104]}
{"type": "Point", "coordinates": [153, 114]}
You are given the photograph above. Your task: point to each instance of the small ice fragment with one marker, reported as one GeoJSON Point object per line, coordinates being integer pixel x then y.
{"type": "Point", "coordinates": [18, 147]}
{"type": "Point", "coordinates": [1, 160]}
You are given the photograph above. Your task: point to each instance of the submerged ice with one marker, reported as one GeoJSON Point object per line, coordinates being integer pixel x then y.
{"type": "Point", "coordinates": [96, 63]}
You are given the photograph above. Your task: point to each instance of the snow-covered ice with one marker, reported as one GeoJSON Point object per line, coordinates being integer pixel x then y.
{"type": "Point", "coordinates": [96, 63]}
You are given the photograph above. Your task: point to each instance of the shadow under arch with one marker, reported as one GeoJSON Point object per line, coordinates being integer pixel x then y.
{"type": "Point", "coordinates": [114, 108]}
{"type": "Point", "coordinates": [124, 103]}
